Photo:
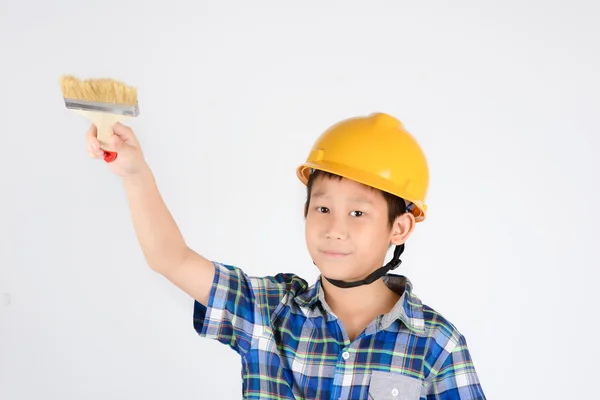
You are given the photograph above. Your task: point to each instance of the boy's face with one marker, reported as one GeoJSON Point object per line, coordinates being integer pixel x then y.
{"type": "Point", "coordinates": [347, 231]}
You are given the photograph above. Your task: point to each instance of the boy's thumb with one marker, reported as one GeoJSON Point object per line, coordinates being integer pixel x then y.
{"type": "Point", "coordinates": [123, 132]}
{"type": "Point", "coordinates": [117, 142]}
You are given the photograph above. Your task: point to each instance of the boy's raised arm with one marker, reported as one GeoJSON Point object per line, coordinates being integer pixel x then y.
{"type": "Point", "coordinates": [163, 245]}
{"type": "Point", "coordinates": [161, 241]}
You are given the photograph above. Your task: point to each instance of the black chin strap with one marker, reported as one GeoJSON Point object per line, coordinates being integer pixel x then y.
{"type": "Point", "coordinates": [393, 264]}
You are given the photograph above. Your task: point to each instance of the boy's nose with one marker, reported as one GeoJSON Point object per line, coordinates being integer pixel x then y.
{"type": "Point", "coordinates": [336, 229]}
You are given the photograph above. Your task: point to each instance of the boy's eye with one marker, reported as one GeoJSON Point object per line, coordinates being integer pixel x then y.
{"type": "Point", "coordinates": [322, 209]}
{"type": "Point", "coordinates": [357, 213]}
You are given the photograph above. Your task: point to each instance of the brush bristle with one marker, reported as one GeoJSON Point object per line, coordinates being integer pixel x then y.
{"type": "Point", "coordinates": [99, 90]}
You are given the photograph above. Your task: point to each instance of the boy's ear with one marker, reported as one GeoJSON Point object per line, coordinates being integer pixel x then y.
{"type": "Point", "coordinates": [402, 228]}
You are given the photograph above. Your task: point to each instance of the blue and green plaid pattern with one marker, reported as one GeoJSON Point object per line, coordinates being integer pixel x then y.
{"type": "Point", "coordinates": [292, 346]}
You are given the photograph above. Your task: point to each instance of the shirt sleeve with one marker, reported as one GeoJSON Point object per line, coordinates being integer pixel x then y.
{"type": "Point", "coordinates": [240, 307]}
{"type": "Point", "coordinates": [457, 378]}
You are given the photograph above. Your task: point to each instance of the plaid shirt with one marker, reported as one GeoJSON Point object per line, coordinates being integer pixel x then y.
{"type": "Point", "coordinates": [293, 347]}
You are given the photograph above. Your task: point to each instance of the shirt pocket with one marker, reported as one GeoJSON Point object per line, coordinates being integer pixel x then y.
{"type": "Point", "coordinates": [389, 385]}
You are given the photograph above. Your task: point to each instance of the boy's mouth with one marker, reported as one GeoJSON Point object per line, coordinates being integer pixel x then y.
{"type": "Point", "coordinates": [334, 253]}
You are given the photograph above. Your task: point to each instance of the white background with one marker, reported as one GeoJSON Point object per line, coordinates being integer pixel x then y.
{"type": "Point", "coordinates": [503, 97]}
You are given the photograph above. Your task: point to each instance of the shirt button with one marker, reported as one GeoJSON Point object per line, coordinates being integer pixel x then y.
{"type": "Point", "coordinates": [345, 355]}
{"type": "Point", "coordinates": [395, 392]}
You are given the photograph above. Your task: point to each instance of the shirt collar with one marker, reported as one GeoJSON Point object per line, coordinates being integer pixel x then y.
{"type": "Point", "coordinates": [408, 309]}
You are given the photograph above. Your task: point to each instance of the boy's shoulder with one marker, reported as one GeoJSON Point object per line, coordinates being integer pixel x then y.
{"type": "Point", "coordinates": [440, 333]}
{"type": "Point", "coordinates": [420, 317]}
{"type": "Point", "coordinates": [441, 330]}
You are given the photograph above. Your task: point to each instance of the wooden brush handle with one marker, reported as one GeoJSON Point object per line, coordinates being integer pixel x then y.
{"type": "Point", "coordinates": [104, 123]}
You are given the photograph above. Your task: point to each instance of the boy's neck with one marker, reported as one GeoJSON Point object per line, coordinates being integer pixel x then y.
{"type": "Point", "coordinates": [365, 301]}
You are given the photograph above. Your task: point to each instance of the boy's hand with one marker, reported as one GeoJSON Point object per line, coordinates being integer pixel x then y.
{"type": "Point", "coordinates": [130, 160]}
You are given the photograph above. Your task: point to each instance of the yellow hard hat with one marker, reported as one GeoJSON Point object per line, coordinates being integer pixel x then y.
{"type": "Point", "coordinates": [376, 151]}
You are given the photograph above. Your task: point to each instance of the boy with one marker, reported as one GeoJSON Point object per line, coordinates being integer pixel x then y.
{"type": "Point", "coordinates": [358, 332]}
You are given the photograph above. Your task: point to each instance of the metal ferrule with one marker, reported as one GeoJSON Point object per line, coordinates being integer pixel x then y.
{"type": "Point", "coordinates": [112, 108]}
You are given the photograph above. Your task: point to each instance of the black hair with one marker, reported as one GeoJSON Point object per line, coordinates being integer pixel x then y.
{"type": "Point", "coordinates": [396, 205]}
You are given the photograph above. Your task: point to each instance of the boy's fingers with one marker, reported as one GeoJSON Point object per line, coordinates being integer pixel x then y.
{"type": "Point", "coordinates": [94, 153]}
{"type": "Point", "coordinates": [92, 131]}
{"type": "Point", "coordinates": [93, 144]}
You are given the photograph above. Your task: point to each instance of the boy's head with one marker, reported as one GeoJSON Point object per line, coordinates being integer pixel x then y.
{"type": "Point", "coordinates": [350, 226]}
{"type": "Point", "coordinates": [366, 181]}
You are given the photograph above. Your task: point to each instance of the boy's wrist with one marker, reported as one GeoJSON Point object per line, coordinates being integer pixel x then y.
{"type": "Point", "coordinates": [141, 177]}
